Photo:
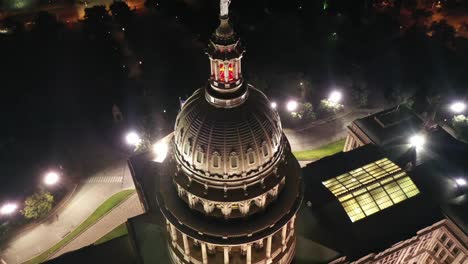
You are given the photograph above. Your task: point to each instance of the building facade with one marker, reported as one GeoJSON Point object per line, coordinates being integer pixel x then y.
{"type": "Point", "coordinates": [441, 243]}
{"type": "Point", "coordinates": [235, 189]}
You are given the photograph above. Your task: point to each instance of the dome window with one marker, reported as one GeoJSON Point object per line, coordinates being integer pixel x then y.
{"type": "Point", "coordinates": [234, 160]}
{"type": "Point", "coordinates": [250, 156]}
{"type": "Point", "coordinates": [200, 154]}
{"type": "Point", "coordinates": [216, 159]}
{"type": "Point", "coordinates": [265, 149]}
{"type": "Point", "coordinates": [187, 147]}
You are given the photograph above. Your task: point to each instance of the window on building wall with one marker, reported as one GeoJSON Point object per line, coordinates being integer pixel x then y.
{"type": "Point", "coordinates": [216, 160]}
{"type": "Point", "coordinates": [250, 156]}
{"type": "Point", "coordinates": [371, 188]}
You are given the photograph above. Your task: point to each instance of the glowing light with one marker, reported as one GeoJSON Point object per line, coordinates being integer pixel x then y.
{"type": "Point", "coordinates": [221, 72]}
{"type": "Point", "coordinates": [460, 181]}
{"type": "Point", "coordinates": [160, 150]}
{"type": "Point", "coordinates": [458, 107]}
{"type": "Point", "coordinates": [273, 105]}
{"type": "Point", "coordinates": [8, 208]}
{"type": "Point", "coordinates": [133, 139]}
{"type": "Point", "coordinates": [292, 106]}
{"type": "Point", "coordinates": [51, 178]}
{"type": "Point", "coordinates": [417, 141]}
{"type": "Point", "coordinates": [335, 97]}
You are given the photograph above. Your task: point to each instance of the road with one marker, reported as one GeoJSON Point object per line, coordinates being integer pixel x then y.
{"type": "Point", "coordinates": [129, 208]}
{"type": "Point", "coordinates": [87, 198]}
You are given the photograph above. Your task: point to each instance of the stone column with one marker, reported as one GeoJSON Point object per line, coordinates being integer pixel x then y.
{"type": "Point", "coordinates": [268, 246]}
{"type": "Point", "coordinates": [240, 68]}
{"type": "Point", "coordinates": [291, 223]}
{"type": "Point", "coordinates": [186, 247]}
{"type": "Point", "coordinates": [226, 72]}
{"type": "Point", "coordinates": [249, 254]}
{"type": "Point", "coordinates": [236, 69]}
{"type": "Point", "coordinates": [173, 235]}
{"type": "Point", "coordinates": [283, 237]}
{"type": "Point", "coordinates": [226, 255]}
{"type": "Point", "coordinates": [203, 250]}
{"type": "Point", "coordinates": [217, 75]}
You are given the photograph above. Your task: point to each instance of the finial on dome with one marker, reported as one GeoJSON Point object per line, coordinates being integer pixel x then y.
{"type": "Point", "coordinates": [224, 8]}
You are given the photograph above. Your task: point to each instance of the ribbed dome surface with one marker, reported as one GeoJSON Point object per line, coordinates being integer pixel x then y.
{"type": "Point", "coordinates": [227, 144]}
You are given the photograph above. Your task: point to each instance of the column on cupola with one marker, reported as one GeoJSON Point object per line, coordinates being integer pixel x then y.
{"type": "Point", "coordinates": [213, 72]}
{"type": "Point", "coordinates": [226, 71]}
{"type": "Point", "coordinates": [218, 71]}
{"type": "Point", "coordinates": [236, 69]}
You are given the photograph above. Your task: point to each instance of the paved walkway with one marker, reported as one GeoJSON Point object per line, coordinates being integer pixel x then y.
{"type": "Point", "coordinates": [129, 208]}
{"type": "Point", "coordinates": [87, 198]}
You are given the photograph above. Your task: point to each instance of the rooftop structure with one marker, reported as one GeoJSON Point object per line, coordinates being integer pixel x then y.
{"type": "Point", "coordinates": [442, 242]}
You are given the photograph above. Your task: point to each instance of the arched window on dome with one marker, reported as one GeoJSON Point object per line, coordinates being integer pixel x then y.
{"type": "Point", "coordinates": [216, 157]}
{"type": "Point", "coordinates": [234, 160]}
{"type": "Point", "coordinates": [200, 154]}
{"type": "Point", "coordinates": [265, 148]}
{"type": "Point", "coordinates": [188, 146]}
{"type": "Point", "coordinates": [250, 156]}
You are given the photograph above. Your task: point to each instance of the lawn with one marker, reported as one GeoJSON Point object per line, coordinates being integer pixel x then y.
{"type": "Point", "coordinates": [119, 231]}
{"type": "Point", "coordinates": [103, 209]}
{"type": "Point", "coordinates": [315, 154]}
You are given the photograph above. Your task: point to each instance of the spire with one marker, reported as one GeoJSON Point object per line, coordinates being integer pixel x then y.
{"type": "Point", "coordinates": [226, 87]}
{"type": "Point", "coordinates": [224, 8]}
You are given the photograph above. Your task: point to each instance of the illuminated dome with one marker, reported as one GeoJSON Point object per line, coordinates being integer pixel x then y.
{"type": "Point", "coordinates": [228, 146]}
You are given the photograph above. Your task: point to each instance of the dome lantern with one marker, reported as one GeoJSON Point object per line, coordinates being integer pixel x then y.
{"type": "Point", "coordinates": [225, 52]}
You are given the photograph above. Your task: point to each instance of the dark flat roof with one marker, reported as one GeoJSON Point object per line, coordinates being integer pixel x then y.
{"type": "Point", "coordinates": [390, 125]}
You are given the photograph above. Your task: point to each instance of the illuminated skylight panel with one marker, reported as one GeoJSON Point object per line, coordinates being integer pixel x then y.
{"type": "Point", "coordinates": [374, 187]}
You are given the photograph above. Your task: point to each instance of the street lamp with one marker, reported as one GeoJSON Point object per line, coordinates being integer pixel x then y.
{"type": "Point", "coordinates": [160, 150]}
{"type": "Point", "coordinates": [417, 141]}
{"type": "Point", "coordinates": [292, 105]}
{"type": "Point", "coordinates": [458, 107]}
{"type": "Point", "coordinates": [51, 178]}
{"type": "Point", "coordinates": [335, 97]}
{"type": "Point", "coordinates": [273, 105]}
{"type": "Point", "coordinates": [8, 208]}
{"type": "Point", "coordinates": [460, 181]}
{"type": "Point", "coordinates": [132, 138]}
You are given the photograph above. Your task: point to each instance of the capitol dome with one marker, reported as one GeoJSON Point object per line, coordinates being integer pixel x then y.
{"type": "Point", "coordinates": [228, 146]}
